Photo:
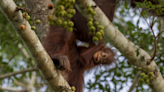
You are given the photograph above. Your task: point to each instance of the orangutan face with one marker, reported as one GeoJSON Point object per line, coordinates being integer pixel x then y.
{"type": "Point", "coordinates": [100, 57]}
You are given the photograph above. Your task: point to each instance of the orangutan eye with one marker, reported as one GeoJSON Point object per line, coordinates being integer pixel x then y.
{"type": "Point", "coordinates": [104, 55]}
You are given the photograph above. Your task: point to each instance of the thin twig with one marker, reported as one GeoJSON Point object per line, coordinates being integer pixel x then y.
{"type": "Point", "coordinates": [18, 72]}
{"type": "Point", "coordinates": [3, 67]}
{"type": "Point", "coordinates": [25, 53]}
{"type": "Point", "coordinates": [11, 89]}
{"type": "Point", "coordinates": [121, 23]}
{"type": "Point", "coordinates": [159, 53]}
{"type": "Point", "coordinates": [135, 82]}
{"type": "Point", "coordinates": [159, 34]}
{"type": "Point", "coordinates": [20, 84]}
{"type": "Point", "coordinates": [155, 50]}
{"type": "Point", "coordinates": [155, 41]}
{"type": "Point", "coordinates": [160, 29]}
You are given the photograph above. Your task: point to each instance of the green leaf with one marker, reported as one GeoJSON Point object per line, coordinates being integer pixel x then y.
{"type": "Point", "coordinates": [126, 5]}
{"type": "Point", "coordinates": [159, 1]}
{"type": "Point", "coordinates": [100, 86]}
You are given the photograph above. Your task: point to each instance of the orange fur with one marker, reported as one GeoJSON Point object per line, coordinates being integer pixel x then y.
{"type": "Point", "coordinates": [60, 43]}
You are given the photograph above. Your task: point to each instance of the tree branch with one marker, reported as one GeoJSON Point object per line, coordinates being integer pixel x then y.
{"type": "Point", "coordinates": [18, 72]}
{"type": "Point", "coordinates": [135, 81]}
{"type": "Point", "coordinates": [20, 46]}
{"type": "Point", "coordinates": [20, 84]}
{"type": "Point", "coordinates": [120, 22]}
{"type": "Point", "coordinates": [11, 89]}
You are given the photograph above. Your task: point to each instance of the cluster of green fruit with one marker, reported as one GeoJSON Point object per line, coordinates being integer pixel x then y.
{"type": "Point", "coordinates": [64, 11]}
{"type": "Point", "coordinates": [94, 25]}
{"type": "Point", "coordinates": [27, 17]}
{"type": "Point", "coordinates": [146, 74]}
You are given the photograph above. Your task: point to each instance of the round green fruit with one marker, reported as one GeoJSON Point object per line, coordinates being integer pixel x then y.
{"type": "Point", "coordinates": [146, 76]}
{"type": "Point", "coordinates": [50, 17]}
{"type": "Point", "coordinates": [89, 7]}
{"type": "Point", "coordinates": [55, 20]}
{"type": "Point", "coordinates": [52, 23]}
{"type": "Point", "coordinates": [28, 17]}
{"type": "Point", "coordinates": [37, 21]}
{"type": "Point", "coordinates": [98, 34]}
{"type": "Point", "coordinates": [25, 14]}
{"type": "Point", "coordinates": [149, 68]}
{"type": "Point", "coordinates": [95, 38]}
{"type": "Point", "coordinates": [102, 32]}
{"type": "Point", "coordinates": [90, 23]}
{"type": "Point", "coordinates": [57, 14]}
{"type": "Point", "coordinates": [71, 7]}
{"type": "Point", "coordinates": [33, 27]}
{"type": "Point", "coordinates": [90, 19]}
{"type": "Point", "coordinates": [92, 28]}
{"type": "Point", "coordinates": [60, 8]}
{"type": "Point", "coordinates": [100, 37]}
{"type": "Point", "coordinates": [64, 25]}
{"type": "Point", "coordinates": [100, 27]}
{"type": "Point", "coordinates": [70, 24]}
{"type": "Point", "coordinates": [96, 23]}
{"type": "Point", "coordinates": [67, 5]}
{"type": "Point", "coordinates": [139, 68]}
{"type": "Point", "coordinates": [141, 79]}
{"type": "Point", "coordinates": [69, 11]}
{"type": "Point", "coordinates": [89, 10]}
{"type": "Point", "coordinates": [147, 80]}
{"type": "Point", "coordinates": [69, 29]}
{"type": "Point", "coordinates": [73, 1]}
{"type": "Point", "coordinates": [63, 91]}
{"type": "Point", "coordinates": [62, 13]}
{"type": "Point", "coordinates": [142, 74]}
{"type": "Point", "coordinates": [73, 11]}
{"type": "Point", "coordinates": [69, 1]}
{"type": "Point", "coordinates": [151, 77]}
{"type": "Point", "coordinates": [150, 74]}
{"type": "Point", "coordinates": [61, 2]}
{"type": "Point", "coordinates": [93, 13]}
{"type": "Point", "coordinates": [73, 88]}
{"type": "Point", "coordinates": [59, 22]}
{"type": "Point", "coordinates": [145, 70]}
{"type": "Point", "coordinates": [69, 16]}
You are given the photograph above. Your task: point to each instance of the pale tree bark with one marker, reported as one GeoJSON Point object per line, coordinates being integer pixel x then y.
{"type": "Point", "coordinates": [125, 46]}
{"type": "Point", "coordinates": [28, 36]}
{"type": "Point", "coordinates": [11, 89]}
